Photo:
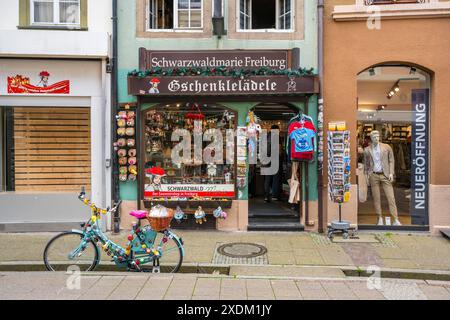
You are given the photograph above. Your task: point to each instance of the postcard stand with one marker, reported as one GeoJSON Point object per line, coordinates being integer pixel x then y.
{"type": "Point", "coordinates": [339, 178]}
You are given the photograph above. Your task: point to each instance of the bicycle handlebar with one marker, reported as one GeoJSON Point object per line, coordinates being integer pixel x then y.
{"type": "Point", "coordinates": [96, 210]}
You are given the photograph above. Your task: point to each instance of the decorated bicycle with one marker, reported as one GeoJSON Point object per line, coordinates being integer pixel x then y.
{"type": "Point", "coordinates": [150, 248]}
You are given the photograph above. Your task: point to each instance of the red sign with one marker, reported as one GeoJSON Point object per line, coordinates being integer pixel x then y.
{"type": "Point", "coordinates": [21, 84]}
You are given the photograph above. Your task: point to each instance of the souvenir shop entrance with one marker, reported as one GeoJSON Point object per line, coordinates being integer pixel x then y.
{"type": "Point", "coordinates": [270, 204]}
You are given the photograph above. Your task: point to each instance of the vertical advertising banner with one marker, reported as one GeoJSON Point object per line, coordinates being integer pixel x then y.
{"type": "Point", "coordinates": [419, 156]}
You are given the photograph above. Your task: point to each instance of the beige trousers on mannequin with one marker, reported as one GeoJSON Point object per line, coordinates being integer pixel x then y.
{"type": "Point", "coordinates": [375, 181]}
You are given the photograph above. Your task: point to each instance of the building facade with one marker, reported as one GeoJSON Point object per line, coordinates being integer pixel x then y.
{"type": "Point", "coordinates": [387, 70]}
{"type": "Point", "coordinates": [54, 107]}
{"type": "Point", "coordinates": [223, 65]}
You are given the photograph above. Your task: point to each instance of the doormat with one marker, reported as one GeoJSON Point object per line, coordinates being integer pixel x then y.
{"type": "Point", "coordinates": [240, 253]}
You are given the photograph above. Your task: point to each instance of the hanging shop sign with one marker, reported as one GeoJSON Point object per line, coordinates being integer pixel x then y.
{"type": "Point", "coordinates": [246, 59]}
{"type": "Point", "coordinates": [189, 190]}
{"type": "Point", "coordinates": [21, 84]}
{"type": "Point", "coordinates": [221, 85]}
{"type": "Point", "coordinates": [419, 155]}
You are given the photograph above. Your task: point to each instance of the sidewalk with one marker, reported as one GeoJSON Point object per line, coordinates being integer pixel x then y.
{"type": "Point", "coordinates": [94, 286]}
{"type": "Point", "coordinates": [385, 250]}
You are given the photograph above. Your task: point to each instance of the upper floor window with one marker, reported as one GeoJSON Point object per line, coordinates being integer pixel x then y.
{"type": "Point", "coordinates": [174, 14]}
{"type": "Point", "coordinates": [265, 14]}
{"type": "Point", "coordinates": [55, 12]}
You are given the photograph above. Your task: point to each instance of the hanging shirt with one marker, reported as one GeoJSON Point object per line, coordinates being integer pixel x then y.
{"type": "Point", "coordinates": [300, 144]}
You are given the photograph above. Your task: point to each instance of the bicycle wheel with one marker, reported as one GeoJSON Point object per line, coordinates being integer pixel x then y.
{"type": "Point", "coordinates": [171, 258]}
{"type": "Point", "coordinates": [64, 251]}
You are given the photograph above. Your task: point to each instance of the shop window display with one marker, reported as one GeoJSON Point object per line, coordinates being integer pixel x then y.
{"type": "Point", "coordinates": [389, 121]}
{"type": "Point", "coordinates": [193, 183]}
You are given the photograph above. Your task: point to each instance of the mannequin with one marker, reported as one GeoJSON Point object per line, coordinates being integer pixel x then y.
{"type": "Point", "coordinates": [379, 169]}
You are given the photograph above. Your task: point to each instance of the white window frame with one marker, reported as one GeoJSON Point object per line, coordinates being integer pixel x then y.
{"type": "Point", "coordinates": [56, 17]}
{"type": "Point", "coordinates": [277, 10]}
{"type": "Point", "coordinates": [175, 19]}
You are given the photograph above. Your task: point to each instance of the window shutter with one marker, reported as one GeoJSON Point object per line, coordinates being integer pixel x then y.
{"type": "Point", "coordinates": [84, 14]}
{"type": "Point", "coordinates": [24, 13]}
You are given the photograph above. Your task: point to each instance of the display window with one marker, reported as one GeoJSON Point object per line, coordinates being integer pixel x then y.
{"type": "Point", "coordinates": [189, 155]}
{"type": "Point", "coordinates": [393, 133]}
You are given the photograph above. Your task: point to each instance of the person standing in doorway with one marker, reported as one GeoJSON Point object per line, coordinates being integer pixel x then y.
{"type": "Point", "coordinates": [272, 182]}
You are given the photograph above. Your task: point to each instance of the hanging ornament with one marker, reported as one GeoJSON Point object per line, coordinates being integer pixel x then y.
{"type": "Point", "coordinates": [200, 215]}
{"type": "Point", "coordinates": [179, 214]}
{"type": "Point", "coordinates": [219, 213]}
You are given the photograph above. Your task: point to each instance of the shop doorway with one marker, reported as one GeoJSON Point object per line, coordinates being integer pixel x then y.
{"type": "Point", "coordinates": [269, 208]}
{"type": "Point", "coordinates": [388, 184]}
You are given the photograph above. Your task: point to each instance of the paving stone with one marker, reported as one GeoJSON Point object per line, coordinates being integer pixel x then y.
{"type": "Point", "coordinates": [207, 286]}
{"type": "Point", "coordinates": [207, 297]}
{"type": "Point", "coordinates": [335, 256]}
{"type": "Point", "coordinates": [285, 289]}
{"type": "Point", "coordinates": [435, 292]}
{"type": "Point", "coordinates": [399, 263]}
{"type": "Point", "coordinates": [232, 297]}
{"type": "Point", "coordinates": [257, 288]}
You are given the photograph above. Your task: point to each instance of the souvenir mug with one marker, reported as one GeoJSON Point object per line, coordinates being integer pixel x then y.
{"type": "Point", "coordinates": [131, 142]}
{"type": "Point", "coordinates": [123, 170]}
{"type": "Point", "coordinates": [130, 122]}
{"type": "Point", "coordinates": [129, 132]}
{"type": "Point", "coordinates": [121, 142]}
{"type": "Point", "coordinates": [121, 123]}
{"type": "Point", "coordinates": [132, 160]}
{"type": "Point", "coordinates": [121, 131]}
{"type": "Point", "coordinates": [132, 153]}
{"type": "Point", "coordinates": [122, 152]}
{"type": "Point", "coordinates": [122, 161]}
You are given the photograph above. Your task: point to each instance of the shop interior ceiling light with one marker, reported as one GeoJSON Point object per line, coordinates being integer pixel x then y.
{"type": "Point", "coordinates": [395, 88]}
{"type": "Point", "coordinates": [371, 71]}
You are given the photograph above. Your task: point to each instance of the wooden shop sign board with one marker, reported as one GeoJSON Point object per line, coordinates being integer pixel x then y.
{"type": "Point", "coordinates": [221, 85]}
{"type": "Point", "coordinates": [237, 59]}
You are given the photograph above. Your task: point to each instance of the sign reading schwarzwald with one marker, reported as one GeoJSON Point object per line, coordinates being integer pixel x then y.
{"type": "Point", "coordinates": [221, 85]}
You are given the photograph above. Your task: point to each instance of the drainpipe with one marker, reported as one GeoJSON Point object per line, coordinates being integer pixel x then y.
{"type": "Point", "coordinates": [114, 108]}
{"type": "Point", "coordinates": [320, 7]}
{"type": "Point", "coordinates": [218, 20]}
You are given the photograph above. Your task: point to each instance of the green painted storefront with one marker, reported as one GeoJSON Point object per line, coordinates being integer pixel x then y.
{"type": "Point", "coordinates": [128, 60]}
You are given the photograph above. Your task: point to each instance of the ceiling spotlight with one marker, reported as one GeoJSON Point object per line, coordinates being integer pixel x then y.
{"type": "Point", "coordinates": [395, 88]}
{"type": "Point", "coordinates": [381, 107]}
{"type": "Point", "coordinates": [412, 70]}
{"type": "Point", "coordinates": [371, 72]}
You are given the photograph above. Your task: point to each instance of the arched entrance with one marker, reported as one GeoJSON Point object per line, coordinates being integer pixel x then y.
{"type": "Point", "coordinates": [392, 174]}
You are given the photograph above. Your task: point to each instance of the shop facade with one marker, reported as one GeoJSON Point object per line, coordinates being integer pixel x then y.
{"type": "Point", "coordinates": [388, 84]}
{"type": "Point", "coordinates": [209, 82]}
{"type": "Point", "coordinates": [54, 96]}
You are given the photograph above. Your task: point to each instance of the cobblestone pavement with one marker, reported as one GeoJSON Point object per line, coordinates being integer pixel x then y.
{"type": "Point", "coordinates": [99, 286]}
{"type": "Point", "coordinates": [403, 251]}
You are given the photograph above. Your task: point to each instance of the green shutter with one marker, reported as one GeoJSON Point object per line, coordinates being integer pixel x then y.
{"type": "Point", "coordinates": [24, 13]}
{"type": "Point", "coordinates": [84, 14]}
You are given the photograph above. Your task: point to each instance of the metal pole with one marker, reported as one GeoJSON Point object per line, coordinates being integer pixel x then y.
{"type": "Point", "coordinates": [320, 8]}
{"type": "Point", "coordinates": [114, 106]}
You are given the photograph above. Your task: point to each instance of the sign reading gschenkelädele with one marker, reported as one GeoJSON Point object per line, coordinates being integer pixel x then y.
{"type": "Point", "coordinates": [238, 59]}
{"type": "Point", "coordinates": [221, 85]}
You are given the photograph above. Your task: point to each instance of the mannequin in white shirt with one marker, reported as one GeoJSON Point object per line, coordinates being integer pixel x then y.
{"type": "Point", "coordinates": [379, 169]}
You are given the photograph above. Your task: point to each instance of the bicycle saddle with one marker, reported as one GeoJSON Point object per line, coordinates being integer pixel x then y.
{"type": "Point", "coordinates": [139, 214]}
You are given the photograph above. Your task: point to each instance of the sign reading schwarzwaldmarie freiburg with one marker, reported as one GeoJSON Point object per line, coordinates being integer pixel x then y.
{"type": "Point", "coordinates": [245, 59]}
{"type": "Point", "coordinates": [277, 60]}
